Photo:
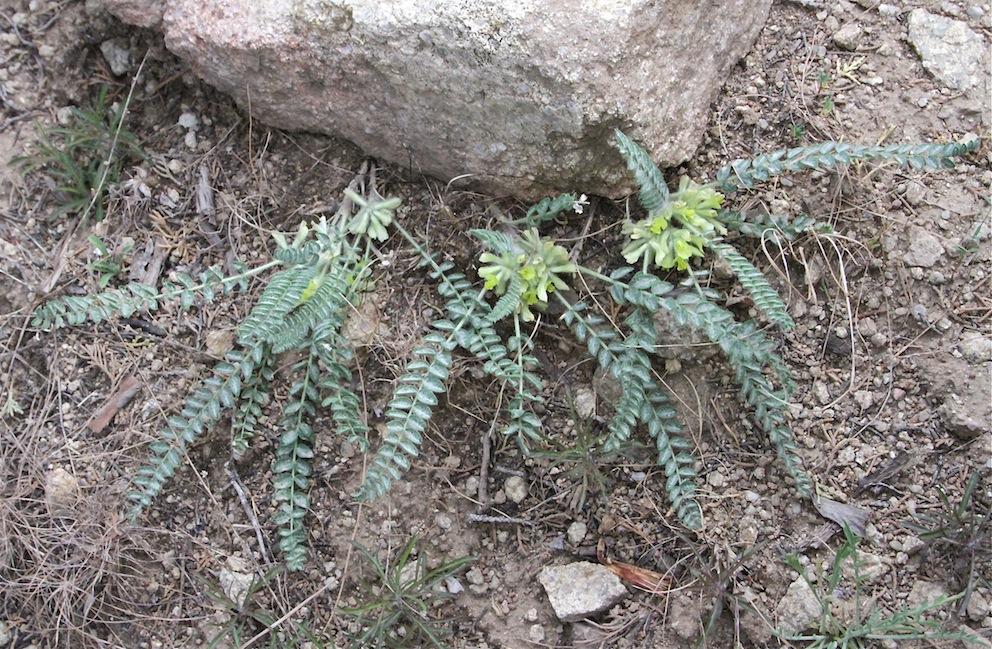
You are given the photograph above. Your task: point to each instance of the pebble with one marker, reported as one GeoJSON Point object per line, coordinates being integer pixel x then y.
{"type": "Point", "coordinates": [515, 488]}
{"type": "Point", "coordinates": [5, 635]}
{"type": "Point", "coordinates": [188, 121]}
{"type": "Point", "coordinates": [117, 56]}
{"type": "Point", "coordinates": [925, 591]}
{"type": "Point", "coordinates": [235, 579]}
{"type": "Point", "coordinates": [948, 49]}
{"type": "Point", "coordinates": [978, 607]}
{"type": "Point", "coordinates": [925, 249]}
{"type": "Point", "coordinates": [915, 193]}
{"type": "Point", "coordinates": [864, 398]}
{"type": "Point", "coordinates": [821, 392]}
{"type": "Point", "coordinates": [848, 37]}
{"type": "Point", "coordinates": [584, 402]}
{"type": "Point", "coordinates": [799, 608]}
{"type": "Point", "coordinates": [576, 532]}
{"type": "Point", "coordinates": [975, 348]}
{"type": "Point", "coordinates": [61, 490]}
{"type": "Point", "coordinates": [580, 589]}
{"type": "Point", "coordinates": [443, 521]}
{"type": "Point", "coordinates": [716, 479]}
{"type": "Point", "coordinates": [476, 581]}
{"type": "Point", "coordinates": [867, 327]}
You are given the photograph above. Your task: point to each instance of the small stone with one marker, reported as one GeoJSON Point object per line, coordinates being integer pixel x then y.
{"type": "Point", "coordinates": [716, 479]}
{"type": "Point", "coordinates": [864, 398]}
{"type": "Point", "coordinates": [960, 417]}
{"type": "Point", "coordinates": [912, 544]}
{"type": "Point", "coordinates": [576, 532]}
{"type": "Point", "coordinates": [976, 348]}
{"type": "Point", "coordinates": [925, 591]}
{"type": "Point", "coordinates": [887, 10]}
{"type": "Point", "coordinates": [974, 12]}
{"type": "Point", "coordinates": [61, 490]}
{"type": "Point", "coordinates": [581, 589]}
{"type": "Point", "coordinates": [924, 249]}
{"type": "Point", "coordinates": [867, 327]}
{"type": "Point", "coordinates": [235, 580]}
{"type": "Point", "coordinates": [950, 50]}
{"type": "Point", "coordinates": [915, 193]}
{"type": "Point", "coordinates": [821, 392]}
{"type": "Point", "coordinates": [848, 37]}
{"type": "Point", "coordinates": [584, 402]}
{"type": "Point", "coordinates": [536, 634]}
{"type": "Point", "coordinates": [476, 581]}
{"type": "Point", "coordinates": [799, 608]}
{"type": "Point", "coordinates": [515, 488]}
{"type": "Point", "coordinates": [219, 342]}
{"type": "Point", "coordinates": [871, 567]}
{"type": "Point", "coordinates": [117, 55]}
{"type": "Point", "coordinates": [443, 521]}
{"type": "Point", "coordinates": [978, 607]}
{"type": "Point", "coordinates": [188, 121]}
{"type": "Point", "coordinates": [475, 576]}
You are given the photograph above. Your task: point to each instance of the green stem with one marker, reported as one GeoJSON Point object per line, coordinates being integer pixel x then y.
{"type": "Point", "coordinates": [227, 280]}
{"type": "Point", "coordinates": [591, 273]}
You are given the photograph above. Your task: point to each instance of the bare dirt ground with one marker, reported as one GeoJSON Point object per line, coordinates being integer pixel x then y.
{"type": "Point", "coordinates": [892, 355]}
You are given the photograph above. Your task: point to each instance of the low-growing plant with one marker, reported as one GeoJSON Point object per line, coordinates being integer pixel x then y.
{"type": "Point", "coordinates": [322, 273]}
{"type": "Point", "coordinates": [526, 272]}
{"type": "Point", "coordinates": [404, 597]}
{"type": "Point", "coordinates": [862, 628]}
{"type": "Point", "coordinates": [107, 265]}
{"type": "Point", "coordinates": [580, 457]}
{"type": "Point", "coordinates": [85, 157]}
{"type": "Point", "coordinates": [247, 620]}
{"type": "Point", "coordinates": [959, 531]}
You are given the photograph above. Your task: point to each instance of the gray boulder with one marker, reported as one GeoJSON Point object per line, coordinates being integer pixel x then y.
{"type": "Point", "coordinates": [516, 97]}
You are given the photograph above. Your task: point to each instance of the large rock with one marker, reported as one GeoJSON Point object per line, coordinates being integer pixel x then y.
{"type": "Point", "coordinates": [521, 96]}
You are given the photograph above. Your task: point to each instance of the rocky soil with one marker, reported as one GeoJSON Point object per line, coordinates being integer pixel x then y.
{"type": "Point", "coordinates": [892, 355]}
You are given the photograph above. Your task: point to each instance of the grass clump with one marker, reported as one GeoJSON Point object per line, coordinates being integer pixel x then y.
{"type": "Point", "coordinates": [405, 596]}
{"type": "Point", "coordinates": [853, 622]}
{"type": "Point", "coordinates": [959, 531]}
{"type": "Point", "coordinates": [244, 620]}
{"type": "Point", "coordinates": [85, 157]}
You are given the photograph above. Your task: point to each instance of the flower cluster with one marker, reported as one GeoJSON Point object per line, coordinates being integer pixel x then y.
{"type": "Point", "coordinates": [534, 267]}
{"type": "Point", "coordinates": [374, 215]}
{"type": "Point", "coordinates": [693, 209]}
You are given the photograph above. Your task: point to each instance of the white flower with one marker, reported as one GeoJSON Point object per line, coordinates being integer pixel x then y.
{"type": "Point", "coordinates": [578, 205]}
